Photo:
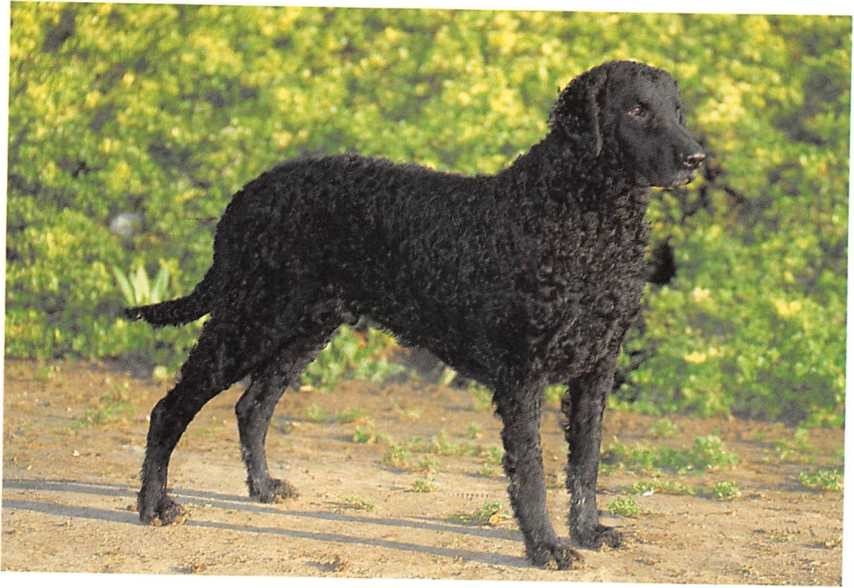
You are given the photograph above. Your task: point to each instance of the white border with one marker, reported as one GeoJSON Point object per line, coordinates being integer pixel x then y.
{"type": "Point", "coordinates": [786, 7]}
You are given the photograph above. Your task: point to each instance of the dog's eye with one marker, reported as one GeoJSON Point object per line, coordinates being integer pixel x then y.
{"type": "Point", "coordinates": [638, 111]}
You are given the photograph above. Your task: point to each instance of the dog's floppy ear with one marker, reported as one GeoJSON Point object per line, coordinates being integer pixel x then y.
{"type": "Point", "coordinates": [576, 111]}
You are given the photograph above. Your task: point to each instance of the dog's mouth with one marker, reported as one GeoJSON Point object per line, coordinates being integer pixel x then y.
{"type": "Point", "coordinates": [678, 182]}
{"type": "Point", "coordinates": [683, 179]}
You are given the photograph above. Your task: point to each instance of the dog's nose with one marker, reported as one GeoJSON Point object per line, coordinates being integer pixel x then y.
{"type": "Point", "coordinates": [694, 160]}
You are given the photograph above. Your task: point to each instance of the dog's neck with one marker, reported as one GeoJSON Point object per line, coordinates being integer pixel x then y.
{"type": "Point", "coordinates": [572, 176]}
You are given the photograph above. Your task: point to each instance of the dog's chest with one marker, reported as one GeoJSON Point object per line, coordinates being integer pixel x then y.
{"type": "Point", "coordinates": [587, 288]}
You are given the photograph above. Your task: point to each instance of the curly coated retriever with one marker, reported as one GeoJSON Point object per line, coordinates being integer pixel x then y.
{"type": "Point", "coordinates": [518, 280]}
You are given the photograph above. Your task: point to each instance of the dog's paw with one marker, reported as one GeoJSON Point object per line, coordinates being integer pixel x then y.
{"type": "Point", "coordinates": [597, 537]}
{"type": "Point", "coordinates": [167, 512]}
{"type": "Point", "coordinates": [555, 554]}
{"type": "Point", "coordinates": [273, 491]}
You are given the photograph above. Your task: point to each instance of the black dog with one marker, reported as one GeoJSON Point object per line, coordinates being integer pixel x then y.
{"type": "Point", "coordinates": [522, 279]}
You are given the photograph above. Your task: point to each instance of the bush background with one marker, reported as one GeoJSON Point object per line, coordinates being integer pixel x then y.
{"type": "Point", "coordinates": [157, 114]}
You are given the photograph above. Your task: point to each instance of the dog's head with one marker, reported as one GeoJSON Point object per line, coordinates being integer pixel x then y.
{"type": "Point", "coordinates": [630, 114]}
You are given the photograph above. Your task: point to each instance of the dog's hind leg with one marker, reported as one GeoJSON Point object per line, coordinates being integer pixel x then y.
{"type": "Point", "coordinates": [520, 409]}
{"type": "Point", "coordinates": [255, 408]}
{"type": "Point", "coordinates": [583, 407]}
{"type": "Point", "coordinates": [225, 352]}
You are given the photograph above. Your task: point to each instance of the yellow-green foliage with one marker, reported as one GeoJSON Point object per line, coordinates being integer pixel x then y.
{"type": "Point", "coordinates": [164, 111]}
{"type": "Point", "coordinates": [822, 479]}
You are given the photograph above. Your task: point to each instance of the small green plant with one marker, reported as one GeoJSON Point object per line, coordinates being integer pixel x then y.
{"type": "Point", "coordinates": [396, 457]}
{"type": "Point", "coordinates": [365, 433]}
{"type": "Point", "coordinates": [632, 458]}
{"type": "Point", "coordinates": [423, 486]}
{"type": "Point", "coordinates": [726, 490]}
{"type": "Point", "coordinates": [828, 480]}
{"type": "Point", "coordinates": [663, 428]}
{"type": "Point", "coordinates": [427, 465]}
{"type": "Point", "coordinates": [644, 488]}
{"type": "Point", "coordinates": [474, 431]}
{"type": "Point", "coordinates": [706, 453]}
{"type": "Point", "coordinates": [624, 507]}
{"type": "Point", "coordinates": [137, 289]}
{"type": "Point", "coordinates": [490, 513]}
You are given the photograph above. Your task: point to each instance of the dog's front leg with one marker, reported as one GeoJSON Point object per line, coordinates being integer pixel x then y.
{"type": "Point", "coordinates": [520, 409]}
{"type": "Point", "coordinates": [583, 407]}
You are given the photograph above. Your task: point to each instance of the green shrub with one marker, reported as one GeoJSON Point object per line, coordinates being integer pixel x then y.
{"type": "Point", "coordinates": [397, 457]}
{"type": "Point", "coordinates": [164, 111]}
{"type": "Point", "coordinates": [726, 490]}
{"type": "Point", "coordinates": [707, 453]}
{"type": "Point", "coordinates": [829, 480]}
{"type": "Point", "coordinates": [427, 465]}
{"type": "Point", "coordinates": [365, 433]}
{"type": "Point", "coordinates": [423, 486]}
{"type": "Point", "coordinates": [624, 507]}
{"type": "Point", "coordinates": [751, 325]}
{"type": "Point", "coordinates": [352, 355]}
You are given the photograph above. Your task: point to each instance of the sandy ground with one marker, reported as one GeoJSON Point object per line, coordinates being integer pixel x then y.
{"type": "Point", "coordinates": [73, 442]}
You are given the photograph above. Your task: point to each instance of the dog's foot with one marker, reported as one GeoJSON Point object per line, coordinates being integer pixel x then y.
{"type": "Point", "coordinates": [272, 491]}
{"type": "Point", "coordinates": [553, 554]}
{"type": "Point", "coordinates": [167, 512]}
{"type": "Point", "coordinates": [597, 537]}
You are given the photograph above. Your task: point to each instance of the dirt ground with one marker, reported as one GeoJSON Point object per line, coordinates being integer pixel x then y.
{"type": "Point", "coordinates": [73, 443]}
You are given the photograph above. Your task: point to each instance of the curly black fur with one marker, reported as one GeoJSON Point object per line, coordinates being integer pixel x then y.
{"type": "Point", "coordinates": [521, 279]}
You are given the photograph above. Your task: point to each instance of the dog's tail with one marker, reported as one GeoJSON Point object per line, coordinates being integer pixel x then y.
{"type": "Point", "coordinates": [181, 310]}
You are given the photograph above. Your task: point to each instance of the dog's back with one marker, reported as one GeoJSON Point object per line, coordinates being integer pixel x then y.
{"type": "Point", "coordinates": [433, 257]}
